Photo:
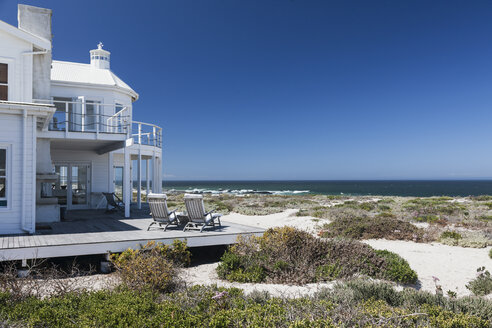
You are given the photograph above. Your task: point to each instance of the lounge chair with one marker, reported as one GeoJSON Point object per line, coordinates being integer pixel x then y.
{"type": "Point", "coordinates": [160, 213]}
{"type": "Point", "coordinates": [197, 217]}
{"type": "Point", "coordinates": [114, 201]}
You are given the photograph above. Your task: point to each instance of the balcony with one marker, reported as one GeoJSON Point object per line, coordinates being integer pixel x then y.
{"type": "Point", "coordinates": [90, 116]}
{"type": "Point", "coordinates": [79, 117]}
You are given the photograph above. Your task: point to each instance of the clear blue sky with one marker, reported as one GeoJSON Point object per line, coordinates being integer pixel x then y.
{"type": "Point", "coordinates": [299, 89]}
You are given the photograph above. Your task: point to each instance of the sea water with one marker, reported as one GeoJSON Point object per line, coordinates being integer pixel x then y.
{"type": "Point", "coordinates": [418, 188]}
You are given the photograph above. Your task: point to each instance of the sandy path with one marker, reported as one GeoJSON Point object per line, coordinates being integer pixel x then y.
{"type": "Point", "coordinates": [454, 266]}
{"type": "Point", "coordinates": [285, 218]}
{"type": "Point", "coordinates": [205, 274]}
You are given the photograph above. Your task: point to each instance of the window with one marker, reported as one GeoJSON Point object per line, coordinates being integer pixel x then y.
{"type": "Point", "coordinates": [4, 82]}
{"type": "Point", "coordinates": [3, 177]}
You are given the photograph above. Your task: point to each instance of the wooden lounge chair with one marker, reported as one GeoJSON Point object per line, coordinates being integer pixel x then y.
{"type": "Point", "coordinates": [160, 213]}
{"type": "Point", "coordinates": [114, 201]}
{"type": "Point", "coordinates": [197, 217]}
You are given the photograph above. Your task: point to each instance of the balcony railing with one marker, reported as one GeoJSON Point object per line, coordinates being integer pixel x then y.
{"type": "Point", "coordinates": [147, 134]}
{"type": "Point", "coordinates": [90, 116]}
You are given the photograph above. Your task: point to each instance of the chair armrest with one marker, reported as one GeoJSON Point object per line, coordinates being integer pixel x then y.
{"type": "Point", "coordinates": [174, 211]}
{"type": "Point", "coordinates": [208, 213]}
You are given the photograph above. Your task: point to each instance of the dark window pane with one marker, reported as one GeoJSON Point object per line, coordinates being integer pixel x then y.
{"type": "Point", "coordinates": [4, 73]}
{"type": "Point", "coordinates": [2, 188]}
{"type": "Point", "coordinates": [3, 203]}
{"type": "Point", "coordinates": [3, 161]}
{"type": "Point", "coordinates": [4, 94]}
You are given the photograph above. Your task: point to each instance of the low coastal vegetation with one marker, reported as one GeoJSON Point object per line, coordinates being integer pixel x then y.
{"type": "Point", "coordinates": [354, 304]}
{"type": "Point", "coordinates": [162, 300]}
{"type": "Point", "coordinates": [290, 256]}
{"type": "Point", "coordinates": [408, 218]}
{"type": "Point", "coordinates": [482, 284]}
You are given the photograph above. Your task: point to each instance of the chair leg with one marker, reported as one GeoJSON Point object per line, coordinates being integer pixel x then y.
{"type": "Point", "coordinates": [150, 225]}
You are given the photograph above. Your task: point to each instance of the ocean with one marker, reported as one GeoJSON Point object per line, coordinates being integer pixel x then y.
{"type": "Point", "coordinates": [417, 188]}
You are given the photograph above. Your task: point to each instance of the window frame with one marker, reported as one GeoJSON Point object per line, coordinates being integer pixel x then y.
{"type": "Point", "coordinates": [8, 177]}
{"type": "Point", "coordinates": [8, 79]}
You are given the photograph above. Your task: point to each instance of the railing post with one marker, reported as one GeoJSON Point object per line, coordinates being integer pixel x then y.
{"type": "Point", "coordinates": [66, 120]}
{"type": "Point", "coordinates": [153, 135]}
{"type": "Point", "coordinates": [139, 133]}
{"type": "Point", "coordinates": [98, 110]}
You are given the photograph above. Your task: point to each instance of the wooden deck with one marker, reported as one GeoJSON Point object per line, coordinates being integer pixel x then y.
{"type": "Point", "coordinates": [95, 232]}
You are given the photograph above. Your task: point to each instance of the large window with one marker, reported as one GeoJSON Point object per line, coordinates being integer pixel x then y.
{"type": "Point", "coordinates": [3, 177]}
{"type": "Point", "coordinates": [4, 82]}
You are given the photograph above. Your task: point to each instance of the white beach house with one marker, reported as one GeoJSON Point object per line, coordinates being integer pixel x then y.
{"type": "Point", "coordinates": [67, 130]}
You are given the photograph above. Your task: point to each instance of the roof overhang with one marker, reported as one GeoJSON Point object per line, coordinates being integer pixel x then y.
{"type": "Point", "coordinates": [38, 42]}
{"type": "Point", "coordinates": [59, 83]}
{"type": "Point", "coordinates": [43, 112]}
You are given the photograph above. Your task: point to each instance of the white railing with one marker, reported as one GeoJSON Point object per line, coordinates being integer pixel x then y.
{"type": "Point", "coordinates": [147, 134]}
{"type": "Point", "coordinates": [90, 116]}
{"type": "Point", "coordinates": [118, 123]}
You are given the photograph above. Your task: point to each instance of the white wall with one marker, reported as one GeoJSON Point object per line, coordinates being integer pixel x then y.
{"type": "Point", "coordinates": [99, 168]}
{"type": "Point", "coordinates": [11, 133]}
{"type": "Point", "coordinates": [20, 66]}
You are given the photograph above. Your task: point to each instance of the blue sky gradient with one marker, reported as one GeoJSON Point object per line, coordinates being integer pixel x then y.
{"type": "Point", "coordinates": [299, 89]}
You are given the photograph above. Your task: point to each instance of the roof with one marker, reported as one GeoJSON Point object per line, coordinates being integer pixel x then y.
{"type": "Point", "coordinates": [62, 71]}
{"type": "Point", "coordinates": [26, 36]}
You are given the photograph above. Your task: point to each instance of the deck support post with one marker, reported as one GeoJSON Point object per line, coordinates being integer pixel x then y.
{"type": "Point", "coordinates": [127, 189]}
{"type": "Point", "coordinates": [147, 181]}
{"type": "Point", "coordinates": [153, 173]}
{"type": "Point", "coordinates": [139, 179]}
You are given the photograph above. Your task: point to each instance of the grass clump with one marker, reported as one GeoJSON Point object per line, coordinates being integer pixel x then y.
{"type": "Point", "coordinates": [288, 255]}
{"type": "Point", "coordinates": [473, 239]}
{"type": "Point", "coordinates": [490, 253]}
{"type": "Point", "coordinates": [153, 266]}
{"type": "Point", "coordinates": [482, 284]}
{"type": "Point", "coordinates": [381, 226]}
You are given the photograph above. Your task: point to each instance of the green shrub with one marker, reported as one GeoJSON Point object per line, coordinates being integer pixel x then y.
{"type": "Point", "coordinates": [449, 237]}
{"type": "Point", "coordinates": [482, 284]}
{"type": "Point", "coordinates": [153, 266]}
{"type": "Point", "coordinates": [429, 218]}
{"type": "Point", "coordinates": [485, 218]}
{"type": "Point", "coordinates": [398, 268]}
{"type": "Point", "coordinates": [368, 228]}
{"type": "Point", "coordinates": [490, 253]}
{"type": "Point", "coordinates": [287, 255]}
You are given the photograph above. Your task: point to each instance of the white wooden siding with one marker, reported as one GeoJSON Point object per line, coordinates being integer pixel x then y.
{"type": "Point", "coordinates": [11, 132]}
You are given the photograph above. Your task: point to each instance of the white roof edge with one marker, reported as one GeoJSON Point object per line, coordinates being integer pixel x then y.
{"type": "Point", "coordinates": [131, 93]}
{"type": "Point", "coordinates": [29, 37]}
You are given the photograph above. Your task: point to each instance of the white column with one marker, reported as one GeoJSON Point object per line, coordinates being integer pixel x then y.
{"type": "Point", "coordinates": [139, 178]}
{"type": "Point", "coordinates": [159, 174]}
{"type": "Point", "coordinates": [147, 176]}
{"type": "Point", "coordinates": [153, 173]}
{"type": "Point", "coordinates": [110, 172]}
{"type": "Point", "coordinates": [127, 189]}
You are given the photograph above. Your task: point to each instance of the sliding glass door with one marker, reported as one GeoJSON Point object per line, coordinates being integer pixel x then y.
{"type": "Point", "coordinates": [73, 185]}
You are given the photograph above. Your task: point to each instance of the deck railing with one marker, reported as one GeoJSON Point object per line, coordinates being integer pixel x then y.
{"type": "Point", "coordinates": [90, 116]}
{"type": "Point", "coordinates": [147, 134]}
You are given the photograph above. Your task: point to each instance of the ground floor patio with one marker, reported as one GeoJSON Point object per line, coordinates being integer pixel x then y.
{"type": "Point", "coordinates": [90, 232]}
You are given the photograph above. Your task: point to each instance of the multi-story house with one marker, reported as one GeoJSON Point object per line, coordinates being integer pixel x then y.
{"type": "Point", "coordinates": [67, 130]}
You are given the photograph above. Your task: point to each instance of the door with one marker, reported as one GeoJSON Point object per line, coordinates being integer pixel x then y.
{"type": "Point", "coordinates": [73, 185]}
{"type": "Point", "coordinates": [79, 181]}
{"type": "Point", "coordinates": [91, 115]}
